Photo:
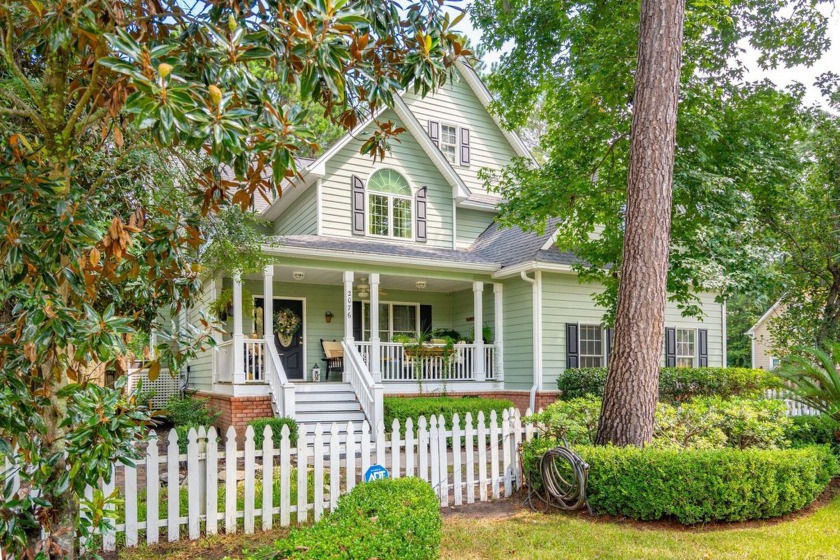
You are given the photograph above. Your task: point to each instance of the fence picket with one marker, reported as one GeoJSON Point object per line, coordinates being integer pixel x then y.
{"type": "Point", "coordinates": [457, 483]}
{"type": "Point", "coordinates": [211, 506]}
{"type": "Point", "coordinates": [365, 437]}
{"type": "Point", "coordinates": [109, 537]}
{"type": "Point", "coordinates": [335, 468]}
{"type": "Point", "coordinates": [152, 489]}
{"type": "Point", "coordinates": [173, 484]}
{"type": "Point", "coordinates": [285, 476]}
{"type": "Point", "coordinates": [302, 509]}
{"type": "Point", "coordinates": [350, 457]}
{"type": "Point", "coordinates": [268, 478]}
{"type": "Point", "coordinates": [230, 481]}
{"type": "Point", "coordinates": [469, 440]}
{"type": "Point", "coordinates": [482, 458]}
{"type": "Point", "coordinates": [506, 445]}
{"type": "Point", "coordinates": [409, 447]}
{"type": "Point", "coordinates": [250, 465]}
{"type": "Point", "coordinates": [318, 455]}
{"type": "Point", "coordinates": [517, 445]}
{"type": "Point", "coordinates": [380, 443]}
{"type": "Point", "coordinates": [433, 454]}
{"type": "Point", "coordinates": [443, 463]}
{"type": "Point", "coordinates": [193, 481]}
{"type": "Point", "coordinates": [395, 449]}
{"type": "Point", "coordinates": [494, 454]}
{"type": "Point", "coordinates": [529, 426]}
{"type": "Point", "coordinates": [423, 449]}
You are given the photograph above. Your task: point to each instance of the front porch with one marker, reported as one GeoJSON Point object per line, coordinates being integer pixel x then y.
{"type": "Point", "coordinates": [426, 340]}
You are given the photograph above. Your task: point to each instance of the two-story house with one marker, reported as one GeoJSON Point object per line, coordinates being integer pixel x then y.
{"type": "Point", "coordinates": [369, 254]}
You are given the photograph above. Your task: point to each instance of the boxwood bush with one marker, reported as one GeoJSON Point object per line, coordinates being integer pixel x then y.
{"type": "Point", "coordinates": [403, 408]}
{"type": "Point", "coordinates": [698, 485]}
{"type": "Point", "coordinates": [814, 430]}
{"type": "Point", "coordinates": [276, 424]}
{"type": "Point", "coordinates": [391, 518]}
{"type": "Point", "coordinates": [676, 384]}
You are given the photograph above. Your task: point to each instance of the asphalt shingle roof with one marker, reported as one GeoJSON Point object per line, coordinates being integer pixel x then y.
{"type": "Point", "coordinates": [511, 246]}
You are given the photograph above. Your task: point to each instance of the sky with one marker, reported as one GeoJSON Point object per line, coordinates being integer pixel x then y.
{"type": "Point", "coordinates": [780, 76]}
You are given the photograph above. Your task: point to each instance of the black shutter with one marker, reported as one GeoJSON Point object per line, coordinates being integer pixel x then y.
{"type": "Point", "coordinates": [572, 353]}
{"type": "Point", "coordinates": [357, 320]}
{"type": "Point", "coordinates": [465, 146]}
{"type": "Point", "coordinates": [420, 220]}
{"type": "Point", "coordinates": [425, 319]}
{"type": "Point", "coordinates": [609, 336]}
{"type": "Point", "coordinates": [358, 205]}
{"type": "Point", "coordinates": [670, 347]}
{"type": "Point", "coordinates": [434, 132]}
{"type": "Point", "coordinates": [703, 344]}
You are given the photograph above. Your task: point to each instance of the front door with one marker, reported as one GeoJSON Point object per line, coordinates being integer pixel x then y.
{"type": "Point", "coordinates": [289, 348]}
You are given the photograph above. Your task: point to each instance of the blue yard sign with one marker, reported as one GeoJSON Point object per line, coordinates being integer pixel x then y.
{"type": "Point", "coordinates": [376, 472]}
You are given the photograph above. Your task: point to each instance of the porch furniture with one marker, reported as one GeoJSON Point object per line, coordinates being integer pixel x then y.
{"type": "Point", "coordinates": [333, 357]}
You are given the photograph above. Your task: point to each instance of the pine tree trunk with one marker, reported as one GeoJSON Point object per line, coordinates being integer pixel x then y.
{"type": "Point", "coordinates": [632, 384]}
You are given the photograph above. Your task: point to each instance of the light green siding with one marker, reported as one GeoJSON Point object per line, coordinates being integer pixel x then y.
{"type": "Point", "coordinates": [406, 157]}
{"type": "Point", "coordinates": [301, 217]}
{"type": "Point", "coordinates": [469, 224]}
{"type": "Point", "coordinates": [565, 300]}
{"type": "Point", "coordinates": [456, 104]}
{"type": "Point", "coordinates": [201, 367]}
{"type": "Point", "coordinates": [463, 308]}
{"type": "Point", "coordinates": [518, 339]}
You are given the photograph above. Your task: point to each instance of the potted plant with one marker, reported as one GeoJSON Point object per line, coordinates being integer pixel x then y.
{"type": "Point", "coordinates": [222, 306]}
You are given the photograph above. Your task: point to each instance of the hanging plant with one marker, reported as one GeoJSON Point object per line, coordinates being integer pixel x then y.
{"type": "Point", "coordinates": [222, 306]}
{"type": "Point", "coordinates": [286, 325]}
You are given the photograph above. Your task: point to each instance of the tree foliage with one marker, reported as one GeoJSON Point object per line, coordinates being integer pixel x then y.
{"type": "Point", "coordinates": [125, 126]}
{"type": "Point", "coordinates": [574, 64]}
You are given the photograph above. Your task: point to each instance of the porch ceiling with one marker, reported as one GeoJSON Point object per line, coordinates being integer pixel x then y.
{"type": "Point", "coordinates": [386, 281]}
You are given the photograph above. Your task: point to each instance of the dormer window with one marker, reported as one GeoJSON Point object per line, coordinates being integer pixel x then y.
{"type": "Point", "coordinates": [389, 205]}
{"type": "Point", "coordinates": [449, 142]}
{"type": "Point", "coordinates": [452, 141]}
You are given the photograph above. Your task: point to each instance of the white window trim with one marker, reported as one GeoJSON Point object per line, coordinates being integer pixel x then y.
{"type": "Point", "coordinates": [677, 356]}
{"type": "Point", "coordinates": [390, 304]}
{"type": "Point", "coordinates": [457, 128]}
{"type": "Point", "coordinates": [581, 355]}
{"type": "Point", "coordinates": [391, 196]}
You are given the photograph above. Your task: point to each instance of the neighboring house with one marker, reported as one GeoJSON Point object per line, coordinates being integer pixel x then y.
{"type": "Point", "coordinates": [409, 244]}
{"type": "Point", "coordinates": [762, 354]}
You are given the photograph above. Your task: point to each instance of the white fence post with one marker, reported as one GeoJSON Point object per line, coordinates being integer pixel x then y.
{"type": "Point", "coordinates": [193, 481]}
{"type": "Point", "coordinates": [442, 462]}
{"type": "Point", "coordinates": [109, 540]}
{"type": "Point", "coordinates": [319, 472]}
{"type": "Point", "coordinates": [409, 447]}
{"type": "Point", "coordinates": [250, 467]}
{"type": "Point", "coordinates": [230, 481]}
{"type": "Point", "coordinates": [482, 458]}
{"type": "Point", "coordinates": [173, 487]}
{"type": "Point", "coordinates": [395, 449]}
{"type": "Point", "coordinates": [423, 449]}
{"type": "Point", "coordinates": [130, 505]}
{"type": "Point", "coordinates": [152, 490]}
{"type": "Point", "coordinates": [350, 458]}
{"type": "Point", "coordinates": [302, 509]}
{"type": "Point", "coordinates": [211, 495]}
{"type": "Point", "coordinates": [268, 478]}
{"type": "Point", "coordinates": [494, 454]}
{"type": "Point", "coordinates": [456, 460]}
{"type": "Point", "coordinates": [285, 476]}
{"type": "Point", "coordinates": [469, 439]}
{"type": "Point", "coordinates": [335, 468]}
{"type": "Point", "coordinates": [433, 454]}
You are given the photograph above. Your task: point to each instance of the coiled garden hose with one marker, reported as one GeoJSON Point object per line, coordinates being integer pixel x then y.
{"type": "Point", "coordinates": [563, 475]}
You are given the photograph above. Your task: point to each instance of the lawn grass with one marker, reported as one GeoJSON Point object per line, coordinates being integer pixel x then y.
{"type": "Point", "coordinates": [525, 534]}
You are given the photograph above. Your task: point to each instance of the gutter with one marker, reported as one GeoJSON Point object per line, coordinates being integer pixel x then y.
{"type": "Point", "coordinates": [536, 286]}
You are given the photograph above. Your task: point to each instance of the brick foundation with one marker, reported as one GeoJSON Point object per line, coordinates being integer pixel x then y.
{"type": "Point", "coordinates": [521, 399]}
{"type": "Point", "coordinates": [238, 411]}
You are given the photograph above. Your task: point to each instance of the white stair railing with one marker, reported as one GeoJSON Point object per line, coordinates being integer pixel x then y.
{"type": "Point", "coordinates": [369, 393]}
{"type": "Point", "coordinates": [282, 390]}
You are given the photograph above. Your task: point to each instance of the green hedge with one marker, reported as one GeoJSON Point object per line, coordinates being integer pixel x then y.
{"type": "Point", "coordinates": [276, 424]}
{"type": "Point", "coordinates": [402, 408]}
{"type": "Point", "coordinates": [391, 518]}
{"type": "Point", "coordinates": [814, 430]}
{"type": "Point", "coordinates": [698, 486]}
{"type": "Point", "coordinates": [675, 384]}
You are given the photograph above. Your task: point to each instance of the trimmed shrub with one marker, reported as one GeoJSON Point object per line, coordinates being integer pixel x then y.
{"type": "Point", "coordinates": [698, 485]}
{"type": "Point", "coordinates": [190, 411]}
{"type": "Point", "coordinates": [391, 518]}
{"type": "Point", "coordinates": [402, 408]}
{"type": "Point", "coordinates": [276, 424]}
{"type": "Point", "coordinates": [576, 420]}
{"type": "Point", "coordinates": [676, 384]}
{"type": "Point", "coordinates": [814, 430]}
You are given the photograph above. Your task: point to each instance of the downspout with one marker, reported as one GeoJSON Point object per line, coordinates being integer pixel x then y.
{"type": "Point", "coordinates": [723, 327]}
{"type": "Point", "coordinates": [536, 286]}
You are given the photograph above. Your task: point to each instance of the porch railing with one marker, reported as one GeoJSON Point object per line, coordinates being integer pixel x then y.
{"type": "Point", "coordinates": [224, 362]}
{"type": "Point", "coordinates": [369, 393]}
{"type": "Point", "coordinates": [430, 362]}
{"type": "Point", "coordinates": [254, 356]}
{"type": "Point", "coordinates": [282, 390]}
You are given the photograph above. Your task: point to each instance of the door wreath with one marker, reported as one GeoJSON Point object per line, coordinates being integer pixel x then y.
{"type": "Point", "coordinates": [287, 325]}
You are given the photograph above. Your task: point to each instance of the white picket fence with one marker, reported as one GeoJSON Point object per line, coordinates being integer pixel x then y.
{"type": "Point", "coordinates": [218, 487]}
{"type": "Point", "coordinates": [794, 407]}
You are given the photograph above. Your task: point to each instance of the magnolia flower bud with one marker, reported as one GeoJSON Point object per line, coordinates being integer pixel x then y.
{"type": "Point", "coordinates": [215, 94]}
{"type": "Point", "coordinates": [231, 23]}
{"type": "Point", "coordinates": [164, 69]}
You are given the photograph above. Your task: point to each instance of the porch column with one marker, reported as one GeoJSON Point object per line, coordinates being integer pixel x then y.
{"type": "Point", "coordinates": [238, 337]}
{"type": "Point", "coordinates": [348, 306]}
{"type": "Point", "coordinates": [375, 364]}
{"type": "Point", "coordinates": [498, 335]}
{"type": "Point", "coordinates": [268, 303]}
{"type": "Point", "coordinates": [478, 322]}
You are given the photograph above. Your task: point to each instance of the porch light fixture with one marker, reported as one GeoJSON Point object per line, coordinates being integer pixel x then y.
{"type": "Point", "coordinates": [298, 275]}
{"type": "Point", "coordinates": [420, 284]}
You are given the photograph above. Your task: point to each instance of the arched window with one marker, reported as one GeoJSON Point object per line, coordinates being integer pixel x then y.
{"type": "Point", "coordinates": [389, 204]}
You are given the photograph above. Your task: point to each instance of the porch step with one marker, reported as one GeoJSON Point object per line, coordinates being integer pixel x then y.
{"type": "Point", "coordinates": [328, 406]}
{"type": "Point", "coordinates": [323, 387]}
{"type": "Point", "coordinates": [325, 417]}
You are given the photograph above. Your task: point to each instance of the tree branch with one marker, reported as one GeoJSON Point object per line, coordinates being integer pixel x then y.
{"type": "Point", "coordinates": [10, 60]}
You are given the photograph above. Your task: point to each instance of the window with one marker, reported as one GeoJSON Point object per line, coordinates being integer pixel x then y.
{"type": "Point", "coordinates": [686, 347]}
{"type": "Point", "coordinates": [389, 203]}
{"type": "Point", "coordinates": [449, 142]}
{"type": "Point", "coordinates": [394, 319]}
{"type": "Point", "coordinates": [591, 346]}
{"type": "Point", "coordinates": [774, 362]}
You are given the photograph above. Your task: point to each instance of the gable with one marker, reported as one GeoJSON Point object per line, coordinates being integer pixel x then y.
{"type": "Point", "coordinates": [456, 104]}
